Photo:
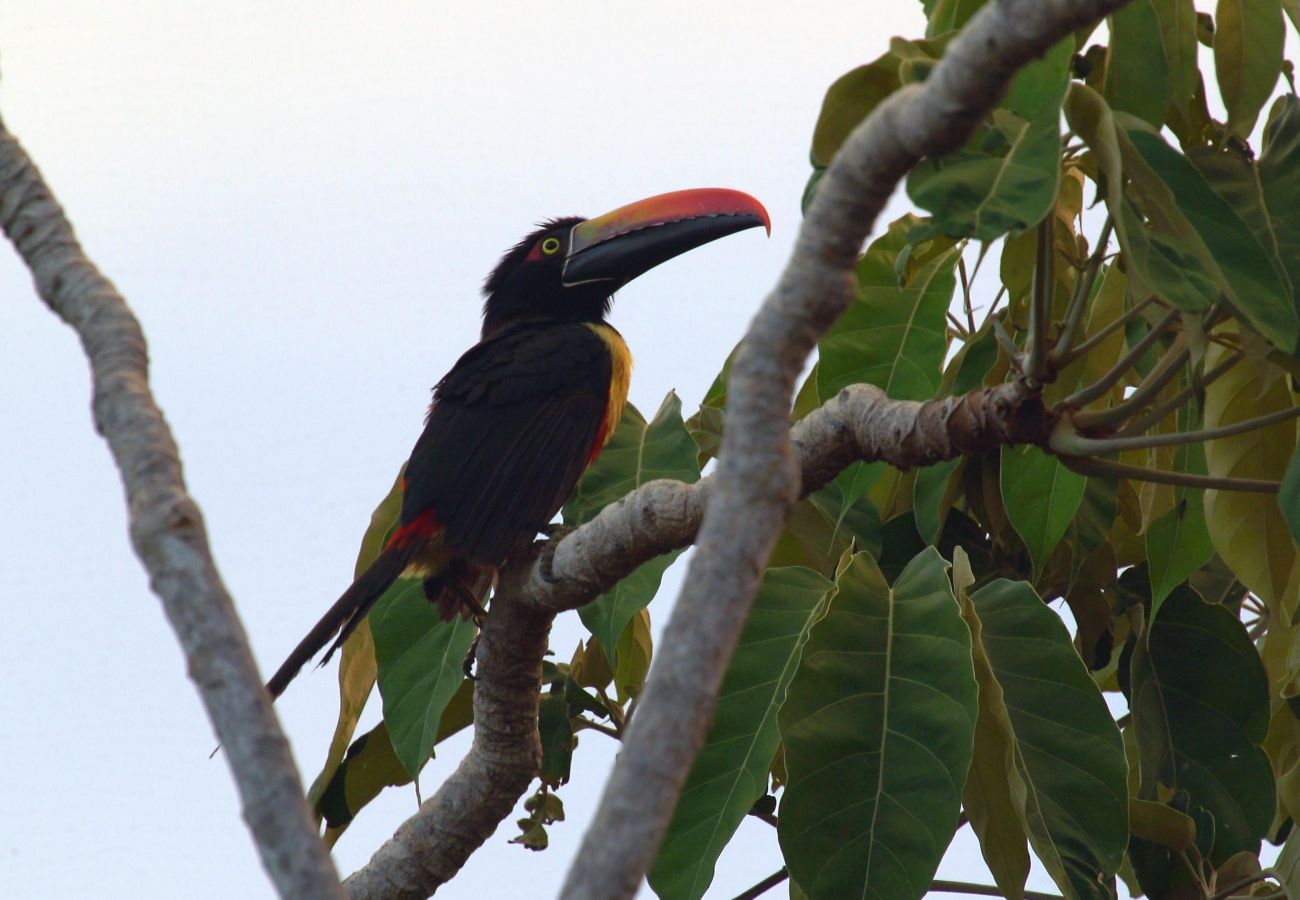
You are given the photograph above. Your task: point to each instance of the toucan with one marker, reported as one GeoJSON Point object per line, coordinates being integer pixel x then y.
{"type": "Point", "coordinates": [525, 410]}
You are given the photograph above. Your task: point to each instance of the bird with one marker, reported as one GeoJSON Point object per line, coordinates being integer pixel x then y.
{"type": "Point", "coordinates": [525, 410]}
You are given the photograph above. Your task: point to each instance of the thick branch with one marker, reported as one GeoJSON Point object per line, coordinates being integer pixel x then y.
{"type": "Point", "coordinates": [757, 481]}
{"type": "Point", "coordinates": [167, 529]}
{"type": "Point", "coordinates": [859, 423]}
{"type": "Point", "coordinates": [431, 846]}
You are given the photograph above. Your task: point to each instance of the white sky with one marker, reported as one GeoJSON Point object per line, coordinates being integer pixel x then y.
{"type": "Point", "coordinates": [300, 201]}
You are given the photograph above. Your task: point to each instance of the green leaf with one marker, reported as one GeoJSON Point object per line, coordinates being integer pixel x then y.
{"type": "Point", "coordinates": [943, 16]}
{"type": "Point", "coordinates": [1246, 271]}
{"type": "Point", "coordinates": [877, 729]}
{"type": "Point", "coordinates": [1178, 37]}
{"type": "Point", "coordinates": [1137, 70]}
{"type": "Point", "coordinates": [1177, 545]}
{"type": "Point", "coordinates": [1248, 46]}
{"type": "Point", "coordinates": [1200, 710]}
{"type": "Point", "coordinates": [369, 767]}
{"type": "Point", "coordinates": [993, 810]}
{"type": "Point", "coordinates": [929, 491]}
{"type": "Point", "coordinates": [1252, 537]}
{"type": "Point", "coordinates": [608, 615]}
{"type": "Point", "coordinates": [1288, 498]}
{"type": "Point", "coordinates": [1005, 178]}
{"type": "Point", "coordinates": [639, 451]}
{"type": "Point", "coordinates": [730, 772]}
{"type": "Point", "coordinates": [421, 660]}
{"type": "Point", "coordinates": [1069, 765]}
{"type": "Point", "coordinates": [1041, 497]}
{"type": "Point", "coordinates": [633, 653]}
{"type": "Point", "coordinates": [1091, 118]}
{"type": "Point", "coordinates": [555, 730]}
{"type": "Point", "coordinates": [893, 336]}
{"type": "Point", "coordinates": [853, 96]}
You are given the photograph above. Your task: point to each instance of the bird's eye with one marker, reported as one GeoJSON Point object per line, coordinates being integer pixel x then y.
{"type": "Point", "coordinates": [550, 246]}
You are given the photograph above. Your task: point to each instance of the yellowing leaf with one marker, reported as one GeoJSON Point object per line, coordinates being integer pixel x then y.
{"type": "Point", "coordinates": [1248, 530]}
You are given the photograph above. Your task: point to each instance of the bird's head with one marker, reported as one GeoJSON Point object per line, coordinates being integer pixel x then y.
{"type": "Point", "coordinates": [568, 269]}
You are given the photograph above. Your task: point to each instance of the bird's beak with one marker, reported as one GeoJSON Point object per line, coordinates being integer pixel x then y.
{"type": "Point", "coordinates": [633, 239]}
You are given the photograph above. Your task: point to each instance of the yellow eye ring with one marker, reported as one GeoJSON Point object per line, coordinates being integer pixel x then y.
{"type": "Point", "coordinates": [550, 246]}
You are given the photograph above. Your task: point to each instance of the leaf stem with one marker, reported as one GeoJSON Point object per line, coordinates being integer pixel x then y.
{"type": "Point", "coordinates": [1083, 292]}
{"type": "Point", "coordinates": [765, 885]}
{"type": "Point", "coordinates": [965, 294]}
{"type": "Point", "coordinates": [1141, 424]}
{"type": "Point", "coordinates": [1161, 374]}
{"type": "Point", "coordinates": [1035, 365]}
{"type": "Point", "coordinates": [1261, 875]}
{"type": "Point", "coordinates": [1071, 443]}
{"type": "Point", "coordinates": [1086, 465]}
{"type": "Point", "coordinates": [1106, 331]}
{"type": "Point", "coordinates": [1098, 388]}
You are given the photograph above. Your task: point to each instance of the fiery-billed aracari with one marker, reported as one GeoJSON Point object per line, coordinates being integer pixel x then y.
{"type": "Point", "coordinates": [527, 408]}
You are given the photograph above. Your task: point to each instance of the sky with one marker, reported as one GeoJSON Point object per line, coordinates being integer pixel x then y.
{"type": "Point", "coordinates": [300, 201]}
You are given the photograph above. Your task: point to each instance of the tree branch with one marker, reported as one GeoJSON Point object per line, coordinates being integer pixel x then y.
{"type": "Point", "coordinates": [859, 423]}
{"type": "Point", "coordinates": [167, 529]}
{"type": "Point", "coordinates": [757, 480]}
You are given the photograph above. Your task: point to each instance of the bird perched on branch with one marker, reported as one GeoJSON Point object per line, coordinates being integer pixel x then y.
{"type": "Point", "coordinates": [527, 408]}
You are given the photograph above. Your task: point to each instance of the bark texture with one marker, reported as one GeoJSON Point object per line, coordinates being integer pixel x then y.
{"type": "Point", "coordinates": [167, 529]}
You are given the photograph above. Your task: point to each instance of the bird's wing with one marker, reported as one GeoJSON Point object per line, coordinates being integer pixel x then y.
{"type": "Point", "coordinates": [511, 428]}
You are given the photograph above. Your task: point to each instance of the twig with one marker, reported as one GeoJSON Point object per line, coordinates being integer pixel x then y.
{"type": "Point", "coordinates": [985, 890]}
{"type": "Point", "coordinates": [765, 885]}
{"type": "Point", "coordinates": [602, 728]}
{"type": "Point", "coordinates": [993, 307]}
{"type": "Point", "coordinates": [167, 529]}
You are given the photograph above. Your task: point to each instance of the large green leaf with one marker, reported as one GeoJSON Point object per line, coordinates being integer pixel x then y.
{"type": "Point", "coordinates": [1069, 770]}
{"type": "Point", "coordinates": [1200, 709]}
{"type": "Point", "coordinates": [853, 96]}
{"type": "Point", "coordinates": [730, 772]}
{"type": "Point", "coordinates": [1288, 498]}
{"type": "Point", "coordinates": [1041, 497]}
{"type": "Point", "coordinates": [1252, 537]}
{"type": "Point", "coordinates": [639, 451]}
{"type": "Point", "coordinates": [1177, 545]}
{"type": "Point", "coordinates": [1265, 192]}
{"type": "Point", "coordinates": [1247, 270]}
{"type": "Point", "coordinates": [421, 665]}
{"type": "Point", "coordinates": [1248, 45]}
{"type": "Point", "coordinates": [892, 335]}
{"type": "Point", "coordinates": [371, 765]}
{"type": "Point", "coordinates": [1178, 38]}
{"type": "Point", "coordinates": [1137, 69]}
{"type": "Point", "coordinates": [1005, 178]}
{"type": "Point", "coordinates": [608, 615]}
{"type": "Point", "coordinates": [943, 16]}
{"type": "Point", "coordinates": [877, 729]}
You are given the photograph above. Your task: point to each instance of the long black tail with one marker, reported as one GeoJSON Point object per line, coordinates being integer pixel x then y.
{"type": "Point", "coordinates": [345, 614]}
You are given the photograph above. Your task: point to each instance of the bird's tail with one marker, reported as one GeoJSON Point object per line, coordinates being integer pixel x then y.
{"type": "Point", "coordinates": [346, 613]}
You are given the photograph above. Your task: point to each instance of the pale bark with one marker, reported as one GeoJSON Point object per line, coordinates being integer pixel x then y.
{"type": "Point", "coordinates": [167, 529]}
